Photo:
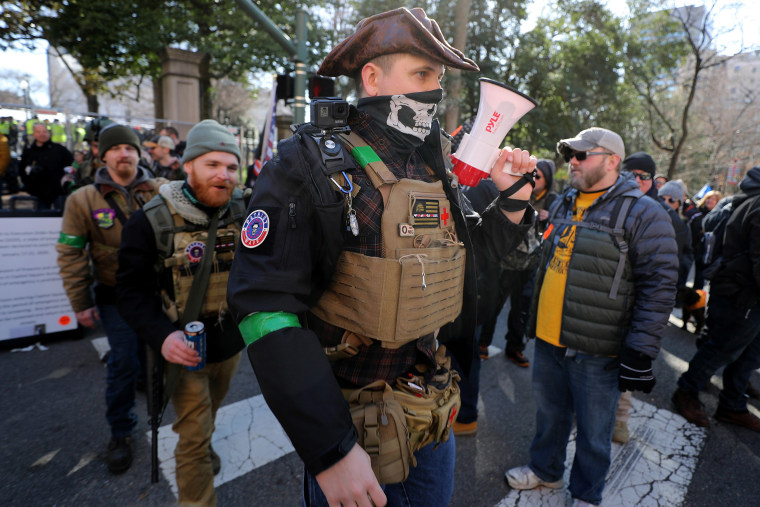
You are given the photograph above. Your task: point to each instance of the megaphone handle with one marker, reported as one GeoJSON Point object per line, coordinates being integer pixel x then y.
{"type": "Point", "coordinates": [508, 169]}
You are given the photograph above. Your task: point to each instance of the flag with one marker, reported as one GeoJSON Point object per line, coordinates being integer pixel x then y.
{"type": "Point", "coordinates": [702, 192]}
{"type": "Point", "coordinates": [270, 132]}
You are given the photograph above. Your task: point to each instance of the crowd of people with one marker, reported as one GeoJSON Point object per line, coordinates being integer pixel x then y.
{"type": "Point", "coordinates": [49, 172]}
{"type": "Point", "coordinates": [364, 283]}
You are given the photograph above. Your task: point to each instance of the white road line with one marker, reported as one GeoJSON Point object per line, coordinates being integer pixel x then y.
{"type": "Point", "coordinates": [247, 436]}
{"type": "Point", "coordinates": [654, 468]}
{"type": "Point", "coordinates": [101, 346]}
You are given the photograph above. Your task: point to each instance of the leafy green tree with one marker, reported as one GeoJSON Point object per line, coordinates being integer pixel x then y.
{"type": "Point", "coordinates": [124, 38]}
{"type": "Point", "coordinates": [572, 64]}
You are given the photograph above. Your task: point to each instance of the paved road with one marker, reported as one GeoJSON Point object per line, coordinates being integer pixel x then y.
{"type": "Point", "coordinates": [54, 435]}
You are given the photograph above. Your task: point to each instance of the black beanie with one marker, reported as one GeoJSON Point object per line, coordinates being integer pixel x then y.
{"type": "Point", "coordinates": [640, 161]}
{"type": "Point", "coordinates": [116, 134]}
{"type": "Point", "coordinates": [547, 168]}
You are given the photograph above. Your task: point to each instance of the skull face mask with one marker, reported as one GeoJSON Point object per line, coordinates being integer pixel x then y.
{"type": "Point", "coordinates": [407, 119]}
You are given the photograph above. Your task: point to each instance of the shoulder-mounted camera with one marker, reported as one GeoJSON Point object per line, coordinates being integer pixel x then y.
{"type": "Point", "coordinates": [329, 113]}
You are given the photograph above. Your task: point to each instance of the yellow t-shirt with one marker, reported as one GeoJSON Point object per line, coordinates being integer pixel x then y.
{"type": "Point", "coordinates": [552, 296]}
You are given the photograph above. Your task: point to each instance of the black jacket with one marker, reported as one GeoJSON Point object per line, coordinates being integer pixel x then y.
{"type": "Point", "coordinates": [292, 266]}
{"type": "Point", "coordinates": [739, 275]}
{"type": "Point", "coordinates": [139, 301]}
{"type": "Point", "coordinates": [42, 169]}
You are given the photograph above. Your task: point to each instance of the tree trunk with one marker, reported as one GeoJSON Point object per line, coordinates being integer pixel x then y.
{"type": "Point", "coordinates": [93, 104]}
{"type": "Point", "coordinates": [454, 88]}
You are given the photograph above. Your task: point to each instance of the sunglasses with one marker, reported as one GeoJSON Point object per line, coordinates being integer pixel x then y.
{"type": "Point", "coordinates": [671, 200]}
{"type": "Point", "coordinates": [643, 176]}
{"type": "Point", "coordinates": [580, 156]}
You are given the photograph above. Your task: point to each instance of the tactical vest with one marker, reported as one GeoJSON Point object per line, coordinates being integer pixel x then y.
{"type": "Point", "coordinates": [180, 248]}
{"type": "Point", "coordinates": [416, 286]}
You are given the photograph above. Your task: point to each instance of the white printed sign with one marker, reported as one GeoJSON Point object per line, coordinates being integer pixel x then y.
{"type": "Point", "coordinates": [32, 299]}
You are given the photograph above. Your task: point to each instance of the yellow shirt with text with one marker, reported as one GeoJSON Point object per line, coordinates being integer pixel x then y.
{"type": "Point", "coordinates": [552, 296]}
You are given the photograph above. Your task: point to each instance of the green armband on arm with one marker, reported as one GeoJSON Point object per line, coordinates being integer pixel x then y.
{"type": "Point", "coordinates": [256, 325]}
{"type": "Point", "coordinates": [71, 240]}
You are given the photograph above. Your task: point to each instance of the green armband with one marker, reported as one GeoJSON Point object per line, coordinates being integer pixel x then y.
{"type": "Point", "coordinates": [71, 240]}
{"type": "Point", "coordinates": [256, 325]}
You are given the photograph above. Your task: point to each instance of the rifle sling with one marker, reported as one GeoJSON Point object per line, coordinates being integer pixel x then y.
{"type": "Point", "coordinates": [194, 302]}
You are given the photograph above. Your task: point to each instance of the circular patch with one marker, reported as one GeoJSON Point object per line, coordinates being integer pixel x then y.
{"type": "Point", "coordinates": [194, 251]}
{"type": "Point", "coordinates": [255, 229]}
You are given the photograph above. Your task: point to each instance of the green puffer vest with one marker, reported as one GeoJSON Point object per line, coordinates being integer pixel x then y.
{"type": "Point", "coordinates": [599, 294]}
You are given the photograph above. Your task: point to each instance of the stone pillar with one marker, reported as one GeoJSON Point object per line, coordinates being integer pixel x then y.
{"type": "Point", "coordinates": [179, 89]}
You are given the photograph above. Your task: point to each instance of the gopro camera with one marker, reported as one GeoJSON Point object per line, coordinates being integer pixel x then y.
{"type": "Point", "coordinates": [329, 113]}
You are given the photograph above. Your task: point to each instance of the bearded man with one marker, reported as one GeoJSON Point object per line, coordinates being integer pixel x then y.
{"type": "Point", "coordinates": [605, 288]}
{"type": "Point", "coordinates": [173, 267]}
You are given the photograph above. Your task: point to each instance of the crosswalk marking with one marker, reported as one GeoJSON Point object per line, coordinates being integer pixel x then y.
{"type": "Point", "coordinates": [247, 436]}
{"type": "Point", "coordinates": [654, 468]}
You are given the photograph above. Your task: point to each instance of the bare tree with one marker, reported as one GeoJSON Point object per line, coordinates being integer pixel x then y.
{"type": "Point", "coordinates": [687, 33]}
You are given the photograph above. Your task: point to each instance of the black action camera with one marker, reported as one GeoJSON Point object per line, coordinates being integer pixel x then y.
{"type": "Point", "coordinates": [329, 113]}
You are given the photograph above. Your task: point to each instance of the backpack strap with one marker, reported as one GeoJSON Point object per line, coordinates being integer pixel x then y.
{"type": "Point", "coordinates": [617, 231]}
{"type": "Point", "coordinates": [622, 208]}
{"type": "Point", "coordinates": [161, 221]}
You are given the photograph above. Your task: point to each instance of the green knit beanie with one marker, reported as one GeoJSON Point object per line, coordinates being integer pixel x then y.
{"type": "Point", "coordinates": [115, 134]}
{"type": "Point", "coordinates": [209, 136]}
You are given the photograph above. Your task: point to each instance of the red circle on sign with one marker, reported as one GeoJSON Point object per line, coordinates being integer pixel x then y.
{"type": "Point", "coordinates": [65, 320]}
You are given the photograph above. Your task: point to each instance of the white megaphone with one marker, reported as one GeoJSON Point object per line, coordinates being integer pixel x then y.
{"type": "Point", "coordinates": [499, 109]}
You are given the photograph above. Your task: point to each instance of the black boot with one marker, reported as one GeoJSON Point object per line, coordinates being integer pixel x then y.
{"type": "Point", "coordinates": [119, 456]}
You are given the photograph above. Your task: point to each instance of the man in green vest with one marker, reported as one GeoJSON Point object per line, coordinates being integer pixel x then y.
{"type": "Point", "coordinates": [604, 292]}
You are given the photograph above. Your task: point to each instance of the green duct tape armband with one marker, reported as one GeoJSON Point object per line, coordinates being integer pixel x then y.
{"type": "Point", "coordinates": [256, 325]}
{"type": "Point", "coordinates": [71, 240]}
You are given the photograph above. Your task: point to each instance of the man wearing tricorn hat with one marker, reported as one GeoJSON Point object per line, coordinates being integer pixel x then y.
{"type": "Point", "coordinates": [351, 267]}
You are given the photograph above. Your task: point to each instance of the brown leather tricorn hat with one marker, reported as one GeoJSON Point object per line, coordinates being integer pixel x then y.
{"type": "Point", "coordinates": [398, 31]}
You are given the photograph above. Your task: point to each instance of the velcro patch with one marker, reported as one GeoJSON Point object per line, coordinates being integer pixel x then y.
{"type": "Point", "coordinates": [255, 229]}
{"type": "Point", "coordinates": [426, 213]}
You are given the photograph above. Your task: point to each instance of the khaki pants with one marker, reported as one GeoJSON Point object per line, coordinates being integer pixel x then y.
{"type": "Point", "coordinates": [624, 407]}
{"type": "Point", "coordinates": [196, 399]}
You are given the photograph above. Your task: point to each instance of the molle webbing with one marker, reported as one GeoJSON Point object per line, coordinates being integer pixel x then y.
{"type": "Point", "coordinates": [416, 286]}
{"type": "Point", "coordinates": [177, 241]}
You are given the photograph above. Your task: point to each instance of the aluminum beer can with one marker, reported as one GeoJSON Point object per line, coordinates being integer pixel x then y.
{"type": "Point", "coordinates": [195, 338]}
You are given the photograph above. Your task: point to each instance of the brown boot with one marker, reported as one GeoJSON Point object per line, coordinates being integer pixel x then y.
{"type": "Point", "coordinates": [688, 405]}
{"type": "Point", "coordinates": [744, 419]}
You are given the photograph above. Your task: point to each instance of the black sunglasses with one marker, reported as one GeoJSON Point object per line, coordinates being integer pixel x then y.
{"type": "Point", "coordinates": [643, 176]}
{"type": "Point", "coordinates": [580, 156]}
{"type": "Point", "coordinates": [671, 200]}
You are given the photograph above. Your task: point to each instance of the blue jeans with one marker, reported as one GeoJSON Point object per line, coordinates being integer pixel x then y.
{"type": "Point", "coordinates": [429, 484]}
{"type": "Point", "coordinates": [122, 370]}
{"type": "Point", "coordinates": [733, 341]}
{"type": "Point", "coordinates": [563, 386]}
{"type": "Point", "coordinates": [469, 385]}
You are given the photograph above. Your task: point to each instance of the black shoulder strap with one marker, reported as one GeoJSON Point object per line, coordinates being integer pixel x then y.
{"type": "Point", "coordinates": [161, 221]}
{"type": "Point", "coordinates": [115, 206]}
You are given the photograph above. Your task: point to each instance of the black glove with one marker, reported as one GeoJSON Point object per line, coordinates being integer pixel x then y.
{"type": "Point", "coordinates": [635, 372]}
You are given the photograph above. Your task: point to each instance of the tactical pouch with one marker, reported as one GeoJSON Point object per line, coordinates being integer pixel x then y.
{"type": "Point", "coordinates": [430, 407]}
{"type": "Point", "coordinates": [381, 425]}
{"type": "Point", "coordinates": [394, 423]}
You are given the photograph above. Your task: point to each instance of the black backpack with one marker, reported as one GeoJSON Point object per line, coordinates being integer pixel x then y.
{"type": "Point", "coordinates": [714, 232]}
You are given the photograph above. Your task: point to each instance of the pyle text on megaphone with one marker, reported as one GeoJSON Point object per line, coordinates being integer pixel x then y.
{"type": "Point", "coordinates": [500, 107]}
